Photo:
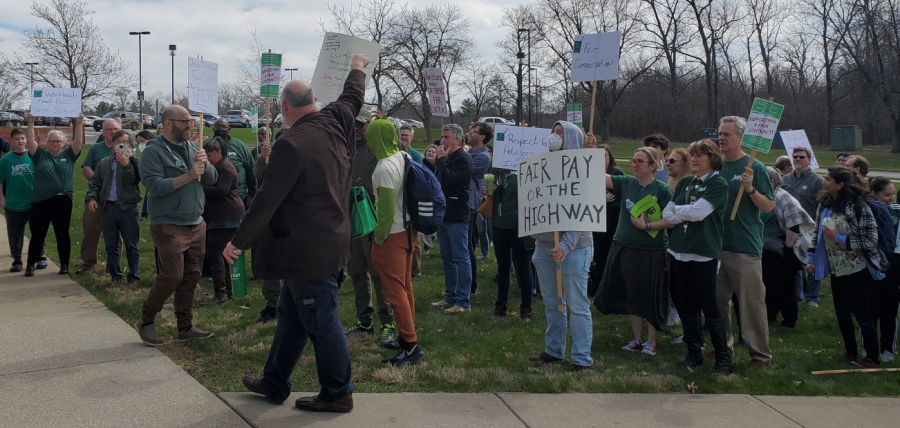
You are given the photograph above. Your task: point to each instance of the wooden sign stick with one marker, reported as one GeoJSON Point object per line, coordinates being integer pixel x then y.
{"type": "Point", "coordinates": [854, 371]}
{"type": "Point", "coordinates": [558, 272]}
{"type": "Point", "coordinates": [593, 103]}
{"type": "Point", "coordinates": [737, 202]}
{"type": "Point", "coordinates": [268, 129]}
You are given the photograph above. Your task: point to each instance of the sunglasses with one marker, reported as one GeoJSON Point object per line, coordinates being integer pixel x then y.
{"type": "Point", "coordinates": [672, 161]}
{"type": "Point", "coordinates": [799, 157]}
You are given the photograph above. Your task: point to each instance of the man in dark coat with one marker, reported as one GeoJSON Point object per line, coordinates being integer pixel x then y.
{"type": "Point", "coordinates": [300, 223]}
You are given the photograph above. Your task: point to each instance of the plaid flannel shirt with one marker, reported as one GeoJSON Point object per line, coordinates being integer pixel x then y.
{"type": "Point", "coordinates": [863, 236]}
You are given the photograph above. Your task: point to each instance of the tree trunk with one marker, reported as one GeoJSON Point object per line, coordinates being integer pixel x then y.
{"type": "Point", "coordinates": [895, 137]}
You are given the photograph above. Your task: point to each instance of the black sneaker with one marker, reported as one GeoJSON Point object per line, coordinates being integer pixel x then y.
{"type": "Point", "coordinates": [41, 264]}
{"type": "Point", "coordinates": [29, 269]}
{"type": "Point", "coordinates": [499, 310]}
{"type": "Point", "coordinates": [406, 357]}
{"type": "Point", "coordinates": [267, 314]}
{"type": "Point", "coordinates": [64, 269]}
{"type": "Point", "coordinates": [16, 266]}
{"type": "Point", "coordinates": [193, 333]}
{"type": "Point", "coordinates": [359, 328]}
{"type": "Point", "coordinates": [216, 299]}
{"type": "Point", "coordinates": [387, 338]}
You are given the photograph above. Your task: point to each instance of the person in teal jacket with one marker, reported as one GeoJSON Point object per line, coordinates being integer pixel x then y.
{"type": "Point", "coordinates": [170, 169]}
{"type": "Point", "coordinates": [393, 249]}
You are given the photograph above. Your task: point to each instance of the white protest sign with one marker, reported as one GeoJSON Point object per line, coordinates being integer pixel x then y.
{"type": "Point", "coordinates": [595, 57]}
{"type": "Point", "coordinates": [562, 191]}
{"type": "Point", "coordinates": [514, 143]}
{"type": "Point", "coordinates": [437, 96]}
{"type": "Point", "coordinates": [56, 102]}
{"type": "Point", "coordinates": [334, 61]}
{"type": "Point", "coordinates": [203, 86]}
{"type": "Point", "coordinates": [794, 139]}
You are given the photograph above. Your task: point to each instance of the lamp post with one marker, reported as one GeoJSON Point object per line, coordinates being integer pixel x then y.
{"type": "Point", "coordinates": [292, 70]}
{"type": "Point", "coordinates": [528, 30]}
{"type": "Point", "coordinates": [31, 65]}
{"type": "Point", "coordinates": [172, 54]}
{"type": "Point", "coordinates": [521, 57]}
{"type": "Point", "coordinates": [140, 77]}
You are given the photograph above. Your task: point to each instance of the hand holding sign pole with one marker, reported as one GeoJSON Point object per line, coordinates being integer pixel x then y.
{"type": "Point", "coordinates": [758, 135]}
{"type": "Point", "coordinates": [203, 92]}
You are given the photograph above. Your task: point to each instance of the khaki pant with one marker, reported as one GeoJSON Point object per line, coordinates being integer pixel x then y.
{"type": "Point", "coordinates": [393, 261]}
{"type": "Point", "coordinates": [360, 268]}
{"type": "Point", "coordinates": [741, 274]}
{"type": "Point", "coordinates": [92, 222]}
{"type": "Point", "coordinates": [181, 250]}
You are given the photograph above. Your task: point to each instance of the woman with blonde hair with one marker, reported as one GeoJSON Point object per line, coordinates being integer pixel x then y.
{"type": "Point", "coordinates": [678, 166]}
{"type": "Point", "coordinates": [636, 278]}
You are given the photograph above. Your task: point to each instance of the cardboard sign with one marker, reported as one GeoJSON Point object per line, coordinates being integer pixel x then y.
{"type": "Point", "coordinates": [514, 143]}
{"type": "Point", "coordinates": [562, 191]}
{"type": "Point", "coordinates": [270, 75]}
{"type": "Point", "coordinates": [573, 114]}
{"type": "Point", "coordinates": [437, 96]}
{"type": "Point", "coordinates": [254, 120]}
{"type": "Point", "coordinates": [595, 57]}
{"type": "Point", "coordinates": [56, 102]}
{"type": "Point", "coordinates": [794, 139]}
{"type": "Point", "coordinates": [203, 86]}
{"type": "Point", "coordinates": [648, 206]}
{"type": "Point", "coordinates": [334, 61]}
{"type": "Point", "coordinates": [762, 125]}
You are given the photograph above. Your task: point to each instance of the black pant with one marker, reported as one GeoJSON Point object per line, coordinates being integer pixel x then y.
{"type": "Point", "coordinates": [57, 211]}
{"type": "Point", "coordinates": [117, 223]}
{"type": "Point", "coordinates": [693, 287]}
{"type": "Point", "coordinates": [602, 243]}
{"type": "Point", "coordinates": [15, 231]}
{"type": "Point", "coordinates": [779, 275]}
{"type": "Point", "coordinates": [510, 250]}
{"type": "Point", "coordinates": [473, 240]}
{"type": "Point", "coordinates": [885, 305]}
{"type": "Point", "coordinates": [853, 298]}
{"type": "Point", "coordinates": [216, 241]}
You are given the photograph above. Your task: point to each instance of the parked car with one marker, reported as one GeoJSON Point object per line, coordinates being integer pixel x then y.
{"type": "Point", "coordinates": [130, 120]}
{"type": "Point", "coordinates": [494, 121]}
{"type": "Point", "coordinates": [278, 122]}
{"type": "Point", "coordinates": [415, 124]}
{"type": "Point", "coordinates": [89, 120]}
{"type": "Point", "coordinates": [11, 119]}
{"type": "Point", "coordinates": [147, 120]}
{"type": "Point", "coordinates": [58, 121]}
{"type": "Point", "coordinates": [238, 118]}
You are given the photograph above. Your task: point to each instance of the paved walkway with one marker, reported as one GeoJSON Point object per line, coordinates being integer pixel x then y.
{"type": "Point", "coordinates": [67, 361]}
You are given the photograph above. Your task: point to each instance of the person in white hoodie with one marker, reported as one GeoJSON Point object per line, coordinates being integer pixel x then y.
{"type": "Point", "coordinates": [573, 254]}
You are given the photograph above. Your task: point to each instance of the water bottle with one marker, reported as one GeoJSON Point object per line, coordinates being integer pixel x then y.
{"type": "Point", "coordinates": [828, 223]}
{"type": "Point", "coordinates": [238, 277]}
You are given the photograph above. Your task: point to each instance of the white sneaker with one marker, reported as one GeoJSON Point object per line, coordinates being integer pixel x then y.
{"type": "Point", "coordinates": [634, 345]}
{"type": "Point", "coordinates": [678, 340]}
{"type": "Point", "coordinates": [812, 303]}
{"type": "Point", "coordinates": [674, 319]}
{"type": "Point", "coordinates": [649, 348]}
{"type": "Point", "coordinates": [887, 356]}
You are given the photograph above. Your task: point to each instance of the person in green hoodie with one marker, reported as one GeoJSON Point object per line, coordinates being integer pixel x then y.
{"type": "Point", "coordinates": [170, 169]}
{"type": "Point", "coordinates": [393, 249]}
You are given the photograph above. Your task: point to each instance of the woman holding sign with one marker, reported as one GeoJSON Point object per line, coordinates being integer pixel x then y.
{"type": "Point", "coordinates": [572, 256]}
{"type": "Point", "coordinates": [695, 248]}
{"type": "Point", "coordinates": [636, 278]}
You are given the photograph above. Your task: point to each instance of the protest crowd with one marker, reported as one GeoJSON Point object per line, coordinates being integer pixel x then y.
{"type": "Point", "coordinates": [686, 259]}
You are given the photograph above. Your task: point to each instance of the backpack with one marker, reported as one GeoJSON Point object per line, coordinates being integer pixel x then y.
{"type": "Point", "coordinates": [363, 217]}
{"type": "Point", "coordinates": [886, 235]}
{"type": "Point", "coordinates": [424, 204]}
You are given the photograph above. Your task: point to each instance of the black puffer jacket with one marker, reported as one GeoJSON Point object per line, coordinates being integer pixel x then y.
{"type": "Point", "coordinates": [455, 172]}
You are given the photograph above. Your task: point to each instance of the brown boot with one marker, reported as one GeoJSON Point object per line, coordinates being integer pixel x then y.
{"type": "Point", "coordinates": [499, 310]}
{"type": "Point", "coordinates": [314, 404]}
{"type": "Point", "coordinates": [525, 313]}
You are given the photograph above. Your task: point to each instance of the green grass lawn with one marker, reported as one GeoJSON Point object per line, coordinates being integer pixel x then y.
{"type": "Point", "coordinates": [471, 352]}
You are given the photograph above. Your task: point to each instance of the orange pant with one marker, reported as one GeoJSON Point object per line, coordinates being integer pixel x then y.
{"type": "Point", "coordinates": [393, 261]}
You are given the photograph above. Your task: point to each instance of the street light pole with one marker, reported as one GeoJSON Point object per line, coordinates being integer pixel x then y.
{"type": "Point", "coordinates": [528, 30]}
{"type": "Point", "coordinates": [292, 70]}
{"type": "Point", "coordinates": [172, 53]}
{"type": "Point", "coordinates": [140, 77]}
{"type": "Point", "coordinates": [31, 65]}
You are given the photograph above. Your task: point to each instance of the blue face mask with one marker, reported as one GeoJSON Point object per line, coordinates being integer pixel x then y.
{"type": "Point", "coordinates": [554, 142]}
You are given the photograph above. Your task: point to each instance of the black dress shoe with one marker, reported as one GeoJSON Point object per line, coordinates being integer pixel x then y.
{"type": "Point", "coordinates": [256, 386]}
{"type": "Point", "coordinates": [41, 264]}
{"type": "Point", "coordinates": [64, 269]}
{"type": "Point", "coordinates": [315, 404]}
{"type": "Point", "coordinates": [29, 269]}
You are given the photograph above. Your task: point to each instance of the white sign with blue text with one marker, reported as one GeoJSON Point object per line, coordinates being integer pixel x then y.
{"type": "Point", "coordinates": [203, 86]}
{"type": "Point", "coordinates": [595, 57]}
{"type": "Point", "coordinates": [513, 143]}
{"type": "Point", "coordinates": [56, 102]}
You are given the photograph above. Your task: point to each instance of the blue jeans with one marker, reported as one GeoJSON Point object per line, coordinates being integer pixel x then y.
{"type": "Point", "coordinates": [118, 223]}
{"type": "Point", "coordinates": [812, 287]}
{"type": "Point", "coordinates": [308, 309]}
{"type": "Point", "coordinates": [510, 250]}
{"type": "Point", "coordinates": [485, 234]}
{"type": "Point", "coordinates": [454, 240]}
{"type": "Point", "coordinates": [575, 270]}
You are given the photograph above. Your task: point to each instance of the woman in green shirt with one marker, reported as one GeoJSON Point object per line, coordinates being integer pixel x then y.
{"type": "Point", "coordinates": [697, 213]}
{"type": "Point", "coordinates": [636, 278]}
{"type": "Point", "coordinates": [508, 247]}
{"type": "Point", "coordinates": [51, 202]}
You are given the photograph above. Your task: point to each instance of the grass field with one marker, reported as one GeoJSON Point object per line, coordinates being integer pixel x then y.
{"type": "Point", "coordinates": [471, 352]}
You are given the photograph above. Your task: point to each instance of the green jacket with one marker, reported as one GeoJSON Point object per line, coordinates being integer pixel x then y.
{"type": "Point", "coordinates": [127, 180]}
{"type": "Point", "coordinates": [240, 157]}
{"type": "Point", "coordinates": [381, 137]}
{"type": "Point", "coordinates": [166, 204]}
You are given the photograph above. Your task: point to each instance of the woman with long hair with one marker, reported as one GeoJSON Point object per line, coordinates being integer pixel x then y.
{"type": "Point", "coordinates": [636, 277]}
{"type": "Point", "coordinates": [679, 166]}
{"type": "Point", "coordinates": [886, 301]}
{"type": "Point", "coordinates": [603, 240]}
{"type": "Point", "coordinates": [846, 247]}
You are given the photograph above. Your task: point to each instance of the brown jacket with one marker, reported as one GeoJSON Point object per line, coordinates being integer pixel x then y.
{"type": "Point", "coordinates": [299, 222]}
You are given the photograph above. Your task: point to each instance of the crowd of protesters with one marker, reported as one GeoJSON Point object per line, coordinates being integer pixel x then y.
{"type": "Point", "coordinates": [287, 203]}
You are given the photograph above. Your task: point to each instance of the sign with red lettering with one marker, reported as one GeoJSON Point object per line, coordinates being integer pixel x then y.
{"type": "Point", "coordinates": [437, 94]}
{"type": "Point", "coordinates": [762, 125]}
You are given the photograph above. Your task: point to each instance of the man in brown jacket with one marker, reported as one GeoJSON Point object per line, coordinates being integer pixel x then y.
{"type": "Point", "coordinates": [299, 223]}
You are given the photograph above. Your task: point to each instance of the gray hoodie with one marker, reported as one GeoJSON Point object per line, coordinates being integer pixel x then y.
{"type": "Point", "coordinates": [568, 241]}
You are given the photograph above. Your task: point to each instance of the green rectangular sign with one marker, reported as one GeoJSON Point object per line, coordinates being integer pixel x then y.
{"type": "Point", "coordinates": [762, 125]}
{"type": "Point", "coordinates": [270, 75]}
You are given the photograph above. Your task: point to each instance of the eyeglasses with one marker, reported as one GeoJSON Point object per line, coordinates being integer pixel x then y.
{"type": "Point", "coordinates": [672, 161]}
{"type": "Point", "coordinates": [638, 162]}
{"type": "Point", "coordinates": [799, 157]}
{"type": "Point", "coordinates": [182, 121]}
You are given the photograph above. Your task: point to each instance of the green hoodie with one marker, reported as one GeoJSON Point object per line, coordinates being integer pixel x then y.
{"type": "Point", "coordinates": [163, 161]}
{"type": "Point", "coordinates": [387, 179]}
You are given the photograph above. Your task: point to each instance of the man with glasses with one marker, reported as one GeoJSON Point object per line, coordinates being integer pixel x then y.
{"type": "Point", "coordinates": [91, 221]}
{"type": "Point", "coordinates": [239, 156]}
{"type": "Point", "coordinates": [804, 184]}
{"type": "Point", "coordinates": [406, 137]}
{"type": "Point", "coordinates": [170, 168]}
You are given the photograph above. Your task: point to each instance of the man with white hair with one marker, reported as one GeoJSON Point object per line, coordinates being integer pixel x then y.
{"type": "Point", "coordinates": [91, 221]}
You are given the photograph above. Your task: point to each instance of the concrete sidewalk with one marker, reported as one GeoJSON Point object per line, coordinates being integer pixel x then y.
{"type": "Point", "coordinates": [67, 361]}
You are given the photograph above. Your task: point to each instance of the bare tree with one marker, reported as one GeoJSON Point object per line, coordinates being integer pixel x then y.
{"type": "Point", "coordinates": [71, 51]}
{"type": "Point", "coordinates": [766, 17]}
{"type": "Point", "coordinates": [477, 79]}
{"type": "Point", "coordinates": [11, 88]}
{"type": "Point", "coordinates": [820, 16]}
{"type": "Point", "coordinates": [249, 68]}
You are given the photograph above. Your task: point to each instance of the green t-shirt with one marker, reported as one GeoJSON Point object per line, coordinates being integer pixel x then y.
{"type": "Point", "coordinates": [629, 191]}
{"type": "Point", "coordinates": [17, 178]}
{"type": "Point", "coordinates": [771, 228]}
{"type": "Point", "coordinates": [181, 151]}
{"type": "Point", "coordinates": [53, 174]}
{"type": "Point", "coordinates": [239, 156]}
{"type": "Point", "coordinates": [703, 238]}
{"type": "Point", "coordinates": [95, 153]}
{"type": "Point", "coordinates": [745, 233]}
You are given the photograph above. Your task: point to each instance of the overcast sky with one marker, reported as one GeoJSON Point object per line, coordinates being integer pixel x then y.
{"type": "Point", "coordinates": [218, 31]}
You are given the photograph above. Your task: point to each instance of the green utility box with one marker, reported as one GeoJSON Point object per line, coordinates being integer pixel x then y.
{"type": "Point", "coordinates": [845, 138]}
{"type": "Point", "coordinates": [709, 133]}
